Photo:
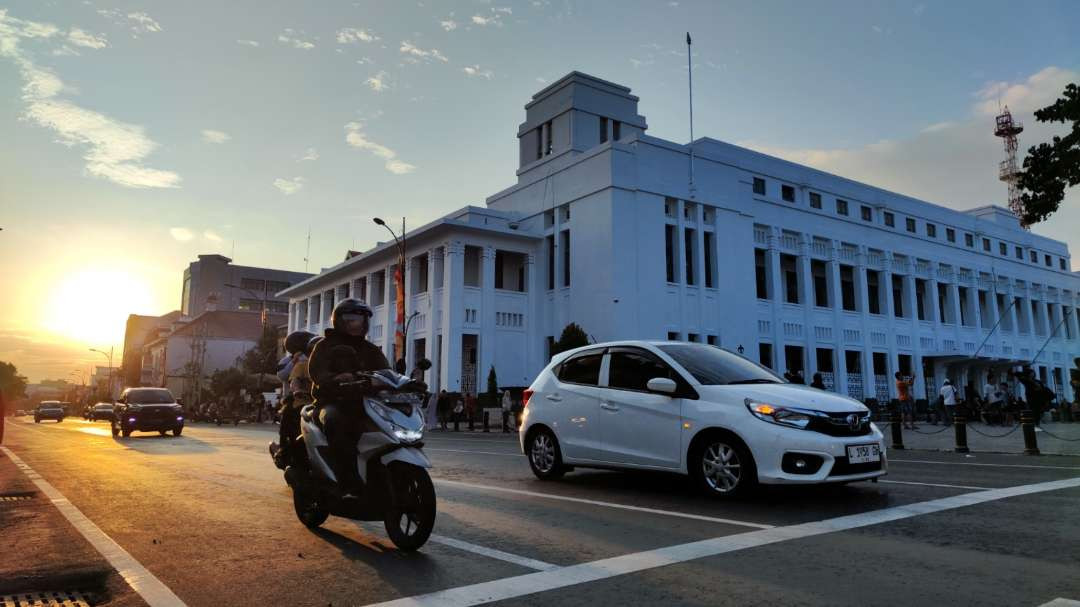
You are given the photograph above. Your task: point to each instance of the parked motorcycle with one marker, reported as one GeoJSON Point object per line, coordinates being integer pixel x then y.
{"type": "Point", "coordinates": [389, 458]}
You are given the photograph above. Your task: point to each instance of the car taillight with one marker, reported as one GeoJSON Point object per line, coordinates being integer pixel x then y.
{"type": "Point", "coordinates": [525, 398]}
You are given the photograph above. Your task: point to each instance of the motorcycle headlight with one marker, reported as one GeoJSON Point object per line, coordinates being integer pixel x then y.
{"type": "Point", "coordinates": [408, 436]}
{"type": "Point", "coordinates": [778, 415]}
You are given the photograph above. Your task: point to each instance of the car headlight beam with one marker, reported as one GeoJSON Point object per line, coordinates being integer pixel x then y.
{"type": "Point", "coordinates": [783, 416]}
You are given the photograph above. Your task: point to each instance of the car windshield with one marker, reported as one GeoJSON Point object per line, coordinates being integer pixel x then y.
{"type": "Point", "coordinates": [149, 397]}
{"type": "Point", "coordinates": [49, 406]}
{"type": "Point", "coordinates": [712, 366]}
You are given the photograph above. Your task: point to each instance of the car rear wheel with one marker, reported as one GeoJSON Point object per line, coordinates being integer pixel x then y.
{"type": "Point", "coordinates": [545, 457]}
{"type": "Point", "coordinates": [722, 467]}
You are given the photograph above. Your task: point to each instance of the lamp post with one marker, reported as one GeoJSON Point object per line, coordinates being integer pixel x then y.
{"type": "Point", "coordinates": [109, 356]}
{"type": "Point", "coordinates": [399, 278]}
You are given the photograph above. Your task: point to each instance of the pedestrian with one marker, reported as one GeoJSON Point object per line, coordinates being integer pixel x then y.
{"type": "Point", "coordinates": [993, 397]}
{"type": "Point", "coordinates": [948, 399]}
{"type": "Point", "coordinates": [907, 404]}
{"type": "Point", "coordinates": [442, 407]}
{"type": "Point", "coordinates": [817, 382]}
{"type": "Point", "coordinates": [459, 407]}
{"type": "Point", "coordinates": [1036, 393]}
{"type": "Point", "coordinates": [507, 405]}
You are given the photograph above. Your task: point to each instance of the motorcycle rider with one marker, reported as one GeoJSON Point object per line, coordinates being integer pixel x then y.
{"type": "Point", "coordinates": [296, 390]}
{"type": "Point", "coordinates": [340, 412]}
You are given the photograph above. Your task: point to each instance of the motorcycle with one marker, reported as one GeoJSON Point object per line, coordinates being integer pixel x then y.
{"type": "Point", "coordinates": [389, 458]}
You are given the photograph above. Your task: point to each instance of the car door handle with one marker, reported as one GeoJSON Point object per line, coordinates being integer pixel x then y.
{"type": "Point", "coordinates": [554, 398]}
{"type": "Point", "coordinates": [608, 406]}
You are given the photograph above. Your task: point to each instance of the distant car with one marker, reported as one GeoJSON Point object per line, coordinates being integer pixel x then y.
{"type": "Point", "coordinates": [49, 409]}
{"type": "Point", "coordinates": [694, 409]}
{"type": "Point", "coordinates": [101, 411]}
{"type": "Point", "coordinates": [147, 410]}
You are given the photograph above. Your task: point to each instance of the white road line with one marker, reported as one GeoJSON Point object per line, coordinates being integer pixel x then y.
{"type": "Point", "coordinates": [936, 485]}
{"type": "Point", "coordinates": [696, 517]}
{"type": "Point", "coordinates": [141, 581]}
{"type": "Point", "coordinates": [1061, 603]}
{"type": "Point", "coordinates": [492, 553]}
{"type": "Point", "coordinates": [426, 448]}
{"type": "Point", "coordinates": [522, 585]}
{"type": "Point", "coordinates": [930, 461]}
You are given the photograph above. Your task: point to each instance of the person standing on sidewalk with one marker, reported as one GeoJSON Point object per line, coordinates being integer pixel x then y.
{"type": "Point", "coordinates": [907, 404]}
{"type": "Point", "coordinates": [948, 397]}
{"type": "Point", "coordinates": [993, 398]}
{"type": "Point", "coordinates": [507, 405]}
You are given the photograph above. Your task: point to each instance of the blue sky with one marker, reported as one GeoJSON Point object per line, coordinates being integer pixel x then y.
{"type": "Point", "coordinates": [140, 134]}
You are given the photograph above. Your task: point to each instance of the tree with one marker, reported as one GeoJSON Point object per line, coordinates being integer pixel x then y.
{"type": "Point", "coordinates": [225, 382]}
{"type": "Point", "coordinates": [264, 356]}
{"type": "Point", "coordinates": [573, 336]}
{"type": "Point", "coordinates": [492, 382]}
{"type": "Point", "coordinates": [1051, 167]}
{"type": "Point", "coordinates": [12, 384]}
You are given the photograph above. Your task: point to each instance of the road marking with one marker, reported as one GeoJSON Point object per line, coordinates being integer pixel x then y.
{"type": "Point", "coordinates": [565, 498]}
{"type": "Point", "coordinates": [930, 461]}
{"type": "Point", "coordinates": [1061, 603]}
{"type": "Point", "coordinates": [936, 485]}
{"type": "Point", "coordinates": [476, 452]}
{"type": "Point", "coordinates": [141, 581]}
{"type": "Point", "coordinates": [492, 553]}
{"type": "Point", "coordinates": [522, 585]}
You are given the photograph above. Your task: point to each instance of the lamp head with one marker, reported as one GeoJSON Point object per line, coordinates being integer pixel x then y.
{"type": "Point", "coordinates": [379, 221]}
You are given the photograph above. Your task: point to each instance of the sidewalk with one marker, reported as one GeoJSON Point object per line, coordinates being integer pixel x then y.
{"type": "Point", "coordinates": [934, 438]}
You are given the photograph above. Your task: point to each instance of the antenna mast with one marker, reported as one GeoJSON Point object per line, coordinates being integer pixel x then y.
{"type": "Point", "coordinates": [1008, 171]}
{"type": "Point", "coordinates": [307, 251]}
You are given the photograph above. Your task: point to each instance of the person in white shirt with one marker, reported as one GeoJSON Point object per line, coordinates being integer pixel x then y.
{"type": "Point", "coordinates": [992, 396]}
{"type": "Point", "coordinates": [507, 407]}
{"type": "Point", "coordinates": [948, 397]}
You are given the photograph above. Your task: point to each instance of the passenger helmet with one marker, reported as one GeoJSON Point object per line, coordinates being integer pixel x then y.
{"type": "Point", "coordinates": [297, 341]}
{"type": "Point", "coordinates": [314, 341]}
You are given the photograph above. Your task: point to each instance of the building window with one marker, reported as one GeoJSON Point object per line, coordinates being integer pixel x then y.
{"type": "Point", "coordinates": [950, 234]}
{"type": "Point", "coordinates": [847, 287]}
{"type": "Point", "coordinates": [690, 248]}
{"type": "Point", "coordinates": [815, 200]}
{"type": "Point", "coordinates": [565, 213]}
{"type": "Point", "coordinates": [603, 130]}
{"type": "Point", "coordinates": [931, 230]}
{"type": "Point", "coordinates": [909, 225]}
{"type": "Point", "coordinates": [759, 186]}
{"type": "Point", "coordinates": [787, 193]}
{"type": "Point", "coordinates": [550, 241]}
{"type": "Point", "coordinates": [548, 144]}
{"type": "Point", "coordinates": [819, 273]}
{"type": "Point", "coordinates": [986, 244]}
{"type": "Point", "coordinates": [673, 335]}
{"type": "Point", "coordinates": [1020, 253]}
{"type": "Point", "coordinates": [1003, 249]}
{"type": "Point", "coordinates": [969, 240]}
{"type": "Point", "coordinates": [898, 296]}
{"type": "Point", "coordinates": [669, 249]}
{"type": "Point", "coordinates": [761, 273]}
{"type": "Point", "coordinates": [253, 284]}
{"type": "Point", "coordinates": [1034, 257]}
{"type": "Point", "coordinates": [890, 219]}
{"type": "Point", "coordinates": [873, 293]}
{"type": "Point", "coordinates": [765, 355]}
{"type": "Point", "coordinates": [789, 270]}
{"type": "Point", "coordinates": [866, 213]}
{"type": "Point", "coordinates": [539, 142]}
{"type": "Point", "coordinates": [1049, 264]}
{"type": "Point", "coordinates": [841, 207]}
{"type": "Point", "coordinates": [710, 263]}
{"type": "Point", "coordinates": [564, 243]}
{"type": "Point", "coordinates": [710, 339]}
{"type": "Point", "coordinates": [616, 130]}
{"type": "Point", "coordinates": [1062, 263]}
{"type": "Point", "coordinates": [692, 337]}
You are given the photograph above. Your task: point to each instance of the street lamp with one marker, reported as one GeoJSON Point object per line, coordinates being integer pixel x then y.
{"type": "Point", "coordinates": [109, 356]}
{"type": "Point", "coordinates": [399, 336]}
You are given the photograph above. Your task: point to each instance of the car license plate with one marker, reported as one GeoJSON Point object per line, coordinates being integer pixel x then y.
{"type": "Point", "coordinates": [861, 454]}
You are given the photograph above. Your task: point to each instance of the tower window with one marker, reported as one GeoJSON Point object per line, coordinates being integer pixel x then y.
{"type": "Point", "coordinates": [759, 186]}
{"type": "Point", "coordinates": [603, 130]}
{"type": "Point", "coordinates": [909, 224]}
{"type": "Point", "coordinates": [616, 130]}
{"type": "Point", "coordinates": [866, 212]}
{"type": "Point", "coordinates": [787, 193]}
{"type": "Point", "coordinates": [931, 230]}
{"type": "Point", "coordinates": [841, 207]}
{"type": "Point", "coordinates": [950, 234]}
{"type": "Point", "coordinates": [815, 200]}
{"type": "Point", "coordinates": [890, 219]}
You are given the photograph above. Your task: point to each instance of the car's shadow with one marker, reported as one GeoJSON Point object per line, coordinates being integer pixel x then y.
{"type": "Point", "coordinates": [154, 443]}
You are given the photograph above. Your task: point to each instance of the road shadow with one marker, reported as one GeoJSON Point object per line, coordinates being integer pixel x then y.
{"type": "Point", "coordinates": [155, 444]}
{"type": "Point", "coordinates": [398, 568]}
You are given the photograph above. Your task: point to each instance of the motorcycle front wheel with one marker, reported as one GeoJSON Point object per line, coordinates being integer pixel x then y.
{"type": "Point", "coordinates": [309, 509]}
{"type": "Point", "coordinates": [411, 515]}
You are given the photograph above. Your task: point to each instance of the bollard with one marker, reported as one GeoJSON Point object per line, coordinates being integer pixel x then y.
{"type": "Point", "coordinates": [960, 425]}
{"type": "Point", "coordinates": [486, 421]}
{"type": "Point", "coordinates": [897, 426]}
{"type": "Point", "coordinates": [1027, 424]}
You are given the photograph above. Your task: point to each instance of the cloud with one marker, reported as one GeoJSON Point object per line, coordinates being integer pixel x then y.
{"type": "Point", "coordinates": [351, 35]}
{"type": "Point", "coordinates": [309, 154]}
{"type": "Point", "coordinates": [365, 61]}
{"type": "Point", "coordinates": [474, 71]}
{"type": "Point", "coordinates": [378, 82]}
{"type": "Point", "coordinates": [138, 22]}
{"type": "Point", "coordinates": [79, 37]}
{"type": "Point", "coordinates": [289, 37]}
{"type": "Point", "coordinates": [938, 126]}
{"type": "Point", "coordinates": [143, 22]}
{"type": "Point", "coordinates": [248, 42]}
{"type": "Point", "coordinates": [638, 63]}
{"type": "Point", "coordinates": [181, 234]}
{"type": "Point", "coordinates": [1037, 91]}
{"type": "Point", "coordinates": [212, 136]}
{"type": "Point", "coordinates": [355, 137]}
{"type": "Point", "coordinates": [289, 186]}
{"type": "Point", "coordinates": [413, 51]}
{"type": "Point", "coordinates": [449, 25]}
{"type": "Point", "coordinates": [212, 236]}
{"type": "Point", "coordinates": [495, 17]}
{"type": "Point", "coordinates": [41, 357]}
{"type": "Point", "coordinates": [114, 150]}
{"type": "Point", "coordinates": [919, 9]}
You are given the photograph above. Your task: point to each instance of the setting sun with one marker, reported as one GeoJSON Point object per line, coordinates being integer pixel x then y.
{"type": "Point", "coordinates": [92, 305]}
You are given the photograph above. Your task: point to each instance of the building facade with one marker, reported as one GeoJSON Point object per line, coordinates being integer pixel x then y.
{"type": "Point", "coordinates": [635, 237]}
{"type": "Point", "coordinates": [214, 283]}
{"type": "Point", "coordinates": [138, 331]}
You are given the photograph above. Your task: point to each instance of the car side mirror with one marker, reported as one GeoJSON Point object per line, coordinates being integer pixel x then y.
{"type": "Point", "coordinates": [424, 364]}
{"type": "Point", "coordinates": [663, 385]}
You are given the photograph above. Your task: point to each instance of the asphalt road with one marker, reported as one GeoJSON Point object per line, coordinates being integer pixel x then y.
{"type": "Point", "coordinates": [209, 516]}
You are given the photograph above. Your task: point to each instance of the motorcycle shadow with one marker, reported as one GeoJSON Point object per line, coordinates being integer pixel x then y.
{"type": "Point", "coordinates": [371, 548]}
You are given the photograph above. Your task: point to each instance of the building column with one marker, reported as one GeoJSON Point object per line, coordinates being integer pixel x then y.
{"type": "Point", "coordinates": [954, 305]}
{"type": "Point", "coordinates": [779, 359]}
{"type": "Point", "coordinates": [806, 285]}
{"type": "Point", "coordinates": [977, 310]}
{"type": "Point", "coordinates": [486, 341]}
{"type": "Point", "coordinates": [389, 308]}
{"type": "Point", "coordinates": [536, 344]}
{"type": "Point", "coordinates": [934, 313]}
{"type": "Point", "coordinates": [1014, 314]}
{"type": "Point", "coordinates": [836, 296]}
{"type": "Point", "coordinates": [453, 315]}
{"type": "Point", "coordinates": [312, 309]}
{"type": "Point", "coordinates": [435, 308]}
{"type": "Point", "coordinates": [995, 313]}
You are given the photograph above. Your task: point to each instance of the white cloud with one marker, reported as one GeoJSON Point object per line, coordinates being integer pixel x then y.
{"type": "Point", "coordinates": [82, 38]}
{"type": "Point", "coordinates": [474, 71]}
{"type": "Point", "coordinates": [248, 42]}
{"type": "Point", "coordinates": [65, 51]}
{"type": "Point", "coordinates": [212, 136]}
{"type": "Point", "coordinates": [138, 22]}
{"type": "Point", "coordinates": [938, 126]}
{"type": "Point", "coordinates": [289, 186]}
{"type": "Point", "coordinates": [413, 51]}
{"type": "Point", "coordinates": [309, 154]}
{"type": "Point", "coordinates": [355, 137]}
{"type": "Point", "coordinates": [365, 61]}
{"type": "Point", "coordinates": [378, 82]}
{"type": "Point", "coordinates": [494, 18]}
{"type": "Point", "coordinates": [638, 63]}
{"type": "Point", "coordinates": [352, 35]}
{"type": "Point", "coordinates": [1037, 91]}
{"type": "Point", "coordinates": [114, 150]}
{"type": "Point", "coordinates": [289, 37]}
{"type": "Point", "coordinates": [449, 25]}
{"type": "Point", "coordinates": [212, 236]}
{"type": "Point", "coordinates": [143, 22]}
{"type": "Point", "coordinates": [181, 234]}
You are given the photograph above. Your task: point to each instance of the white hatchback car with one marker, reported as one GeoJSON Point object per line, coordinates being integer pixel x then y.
{"type": "Point", "coordinates": [694, 409]}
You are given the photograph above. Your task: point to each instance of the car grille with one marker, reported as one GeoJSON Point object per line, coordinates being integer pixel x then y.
{"type": "Point", "coordinates": [836, 424]}
{"type": "Point", "coordinates": [156, 413]}
{"type": "Point", "coordinates": [842, 468]}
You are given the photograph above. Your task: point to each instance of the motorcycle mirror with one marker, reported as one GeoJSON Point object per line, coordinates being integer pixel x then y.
{"type": "Point", "coordinates": [424, 364]}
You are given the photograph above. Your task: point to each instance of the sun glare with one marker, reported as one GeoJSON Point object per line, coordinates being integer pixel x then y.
{"type": "Point", "coordinates": [92, 306]}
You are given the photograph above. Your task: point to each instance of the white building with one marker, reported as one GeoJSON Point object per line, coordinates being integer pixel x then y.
{"type": "Point", "coordinates": [795, 267]}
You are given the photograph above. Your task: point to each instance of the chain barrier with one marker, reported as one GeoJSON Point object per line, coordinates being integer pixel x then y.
{"type": "Point", "coordinates": [976, 431]}
{"type": "Point", "coordinates": [1068, 440]}
{"type": "Point", "coordinates": [944, 428]}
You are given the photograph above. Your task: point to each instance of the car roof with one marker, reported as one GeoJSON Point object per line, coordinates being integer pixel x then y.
{"type": "Point", "coordinates": [639, 343]}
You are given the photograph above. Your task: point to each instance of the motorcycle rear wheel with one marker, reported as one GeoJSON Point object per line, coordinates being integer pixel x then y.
{"type": "Point", "coordinates": [411, 516]}
{"type": "Point", "coordinates": [309, 509]}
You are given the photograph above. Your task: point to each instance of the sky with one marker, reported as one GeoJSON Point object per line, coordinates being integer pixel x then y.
{"type": "Point", "coordinates": [137, 135]}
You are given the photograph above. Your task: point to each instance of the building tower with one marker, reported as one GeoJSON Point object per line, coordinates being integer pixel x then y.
{"type": "Point", "coordinates": [1006, 128]}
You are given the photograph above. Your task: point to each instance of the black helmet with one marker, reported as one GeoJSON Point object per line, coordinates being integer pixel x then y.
{"type": "Point", "coordinates": [348, 306]}
{"type": "Point", "coordinates": [297, 341]}
{"type": "Point", "coordinates": [311, 345]}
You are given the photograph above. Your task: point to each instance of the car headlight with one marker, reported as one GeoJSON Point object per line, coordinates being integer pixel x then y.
{"type": "Point", "coordinates": [778, 415]}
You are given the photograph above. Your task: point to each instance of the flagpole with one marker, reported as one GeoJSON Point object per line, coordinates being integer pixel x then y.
{"type": "Point", "coordinates": [690, 74]}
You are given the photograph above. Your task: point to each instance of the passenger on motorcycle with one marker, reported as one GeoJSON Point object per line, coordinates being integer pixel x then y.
{"type": "Point", "coordinates": [340, 408]}
{"type": "Point", "coordinates": [296, 390]}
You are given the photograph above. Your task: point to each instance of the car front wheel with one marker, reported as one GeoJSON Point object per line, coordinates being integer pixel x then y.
{"type": "Point", "coordinates": [545, 458]}
{"type": "Point", "coordinates": [177, 430]}
{"type": "Point", "coordinates": [722, 467]}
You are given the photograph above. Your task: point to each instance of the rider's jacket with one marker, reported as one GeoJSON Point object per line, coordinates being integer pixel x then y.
{"type": "Point", "coordinates": [327, 362]}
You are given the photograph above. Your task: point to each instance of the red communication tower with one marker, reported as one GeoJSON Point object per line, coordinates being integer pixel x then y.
{"type": "Point", "coordinates": [1008, 171]}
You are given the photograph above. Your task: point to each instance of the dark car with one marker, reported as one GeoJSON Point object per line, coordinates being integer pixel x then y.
{"type": "Point", "coordinates": [147, 410]}
{"type": "Point", "coordinates": [101, 411]}
{"type": "Point", "coordinates": [49, 409]}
